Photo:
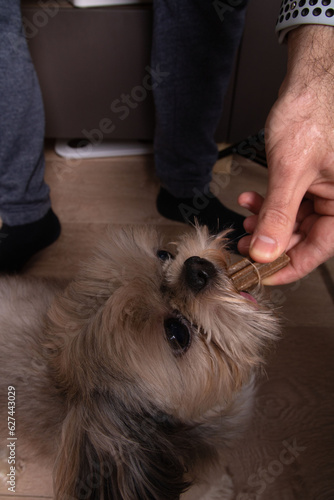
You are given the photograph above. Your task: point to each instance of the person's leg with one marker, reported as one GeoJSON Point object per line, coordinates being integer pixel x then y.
{"type": "Point", "coordinates": [194, 46]}
{"type": "Point", "coordinates": [27, 221]}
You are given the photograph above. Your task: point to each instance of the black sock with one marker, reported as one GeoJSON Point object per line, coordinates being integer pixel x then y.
{"type": "Point", "coordinates": [206, 209]}
{"type": "Point", "coordinates": [19, 243]}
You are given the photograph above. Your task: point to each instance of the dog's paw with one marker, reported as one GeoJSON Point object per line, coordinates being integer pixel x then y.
{"type": "Point", "coordinates": [219, 486]}
{"type": "Point", "coordinates": [222, 489]}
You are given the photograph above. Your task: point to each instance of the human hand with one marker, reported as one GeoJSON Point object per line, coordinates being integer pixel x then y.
{"type": "Point", "coordinates": [297, 213]}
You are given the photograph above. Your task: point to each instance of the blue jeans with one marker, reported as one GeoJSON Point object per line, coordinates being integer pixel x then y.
{"type": "Point", "coordinates": [24, 196]}
{"type": "Point", "coordinates": [194, 46]}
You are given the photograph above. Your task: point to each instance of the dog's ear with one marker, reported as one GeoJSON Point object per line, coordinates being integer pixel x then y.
{"type": "Point", "coordinates": [120, 455]}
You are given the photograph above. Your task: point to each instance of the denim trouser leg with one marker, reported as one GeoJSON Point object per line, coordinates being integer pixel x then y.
{"type": "Point", "coordinates": [195, 42]}
{"type": "Point", "coordinates": [24, 197]}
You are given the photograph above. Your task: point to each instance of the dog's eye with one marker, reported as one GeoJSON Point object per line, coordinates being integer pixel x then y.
{"type": "Point", "coordinates": [177, 334]}
{"type": "Point", "coordinates": [164, 255]}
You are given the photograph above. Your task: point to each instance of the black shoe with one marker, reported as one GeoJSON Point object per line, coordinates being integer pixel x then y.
{"type": "Point", "coordinates": [19, 243]}
{"type": "Point", "coordinates": [207, 210]}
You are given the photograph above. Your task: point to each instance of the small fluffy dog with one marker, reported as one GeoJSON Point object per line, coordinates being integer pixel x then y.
{"type": "Point", "coordinates": [134, 374]}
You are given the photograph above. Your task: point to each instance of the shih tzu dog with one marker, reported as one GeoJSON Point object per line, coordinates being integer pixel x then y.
{"type": "Point", "coordinates": [137, 372]}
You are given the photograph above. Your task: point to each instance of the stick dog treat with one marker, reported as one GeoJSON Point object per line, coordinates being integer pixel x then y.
{"type": "Point", "coordinates": [246, 273]}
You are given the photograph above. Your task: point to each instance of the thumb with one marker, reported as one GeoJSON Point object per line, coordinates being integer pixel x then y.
{"type": "Point", "coordinates": [277, 217]}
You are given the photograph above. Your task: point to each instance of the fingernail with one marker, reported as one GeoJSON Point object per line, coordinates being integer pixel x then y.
{"type": "Point", "coordinates": [263, 247]}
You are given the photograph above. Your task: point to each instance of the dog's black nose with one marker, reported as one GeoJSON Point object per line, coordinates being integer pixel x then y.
{"type": "Point", "coordinates": [198, 273]}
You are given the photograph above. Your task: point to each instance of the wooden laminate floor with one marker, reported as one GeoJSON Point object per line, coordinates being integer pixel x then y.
{"type": "Point", "coordinates": [288, 452]}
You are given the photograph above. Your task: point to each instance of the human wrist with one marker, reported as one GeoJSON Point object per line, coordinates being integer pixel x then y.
{"type": "Point", "coordinates": [310, 57]}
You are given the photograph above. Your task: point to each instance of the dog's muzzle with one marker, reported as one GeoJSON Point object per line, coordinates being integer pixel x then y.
{"type": "Point", "coordinates": [198, 273]}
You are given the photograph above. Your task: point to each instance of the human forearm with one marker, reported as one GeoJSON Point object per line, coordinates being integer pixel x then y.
{"type": "Point", "coordinates": [310, 57]}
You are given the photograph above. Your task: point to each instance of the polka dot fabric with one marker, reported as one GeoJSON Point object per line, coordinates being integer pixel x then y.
{"type": "Point", "coordinates": [296, 12]}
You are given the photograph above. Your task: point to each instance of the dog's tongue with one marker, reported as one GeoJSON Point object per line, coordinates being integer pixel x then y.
{"type": "Point", "coordinates": [248, 296]}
